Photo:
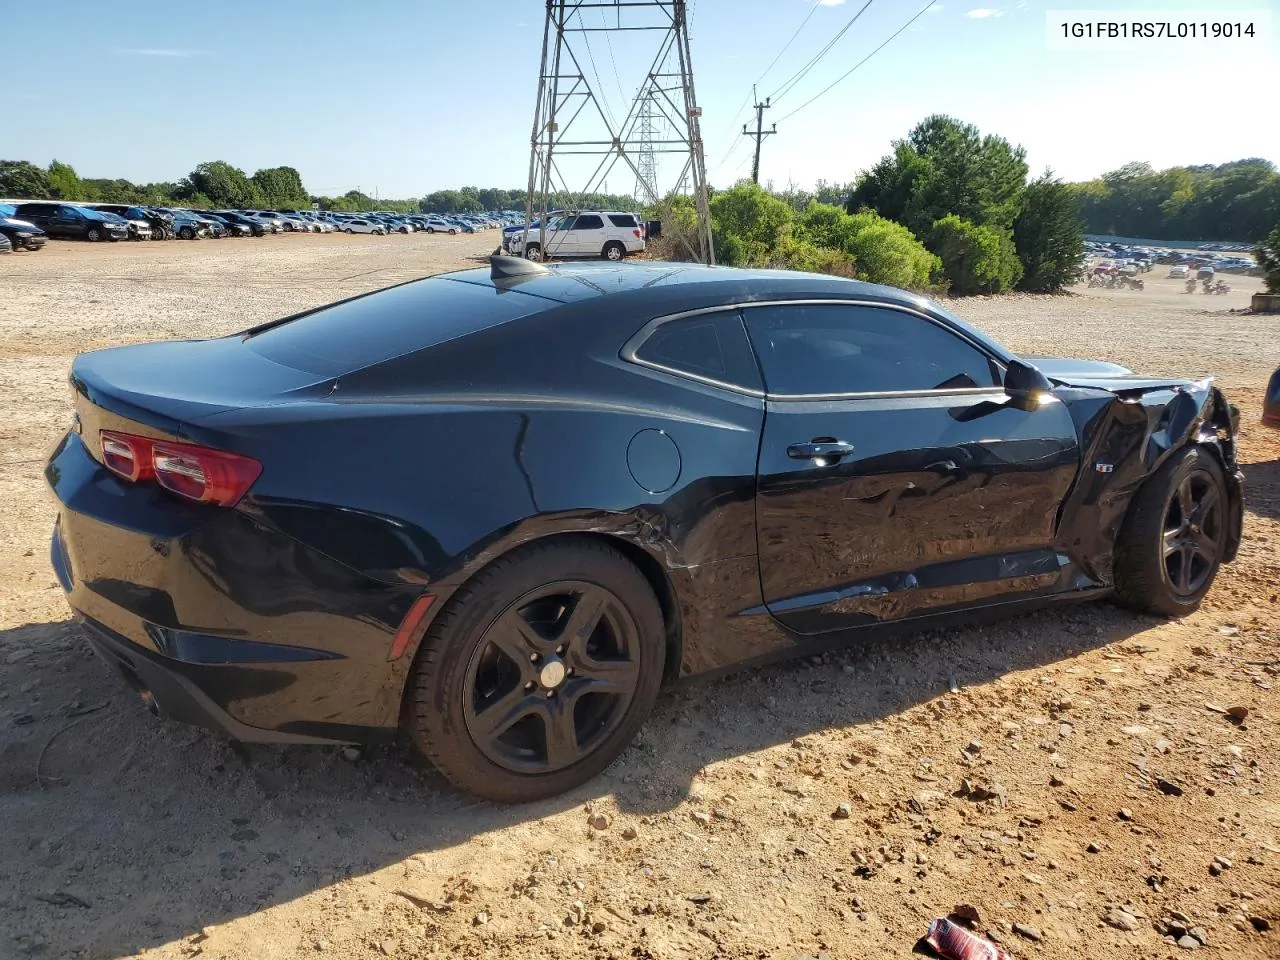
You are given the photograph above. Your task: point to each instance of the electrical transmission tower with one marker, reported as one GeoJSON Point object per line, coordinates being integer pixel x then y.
{"type": "Point", "coordinates": [646, 160]}
{"type": "Point", "coordinates": [571, 120]}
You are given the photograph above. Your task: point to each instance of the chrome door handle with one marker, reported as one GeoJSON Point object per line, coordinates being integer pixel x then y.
{"type": "Point", "coordinates": [820, 450]}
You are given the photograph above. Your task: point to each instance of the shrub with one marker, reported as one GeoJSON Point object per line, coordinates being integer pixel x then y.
{"type": "Point", "coordinates": [975, 259]}
{"type": "Point", "coordinates": [1048, 235]}
{"type": "Point", "coordinates": [1268, 254]}
{"type": "Point", "coordinates": [748, 224]}
{"type": "Point", "coordinates": [882, 251]}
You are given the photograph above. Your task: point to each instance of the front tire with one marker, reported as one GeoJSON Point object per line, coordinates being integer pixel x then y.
{"type": "Point", "coordinates": [533, 252]}
{"type": "Point", "coordinates": [93, 235]}
{"type": "Point", "coordinates": [539, 672]}
{"type": "Point", "coordinates": [1173, 538]}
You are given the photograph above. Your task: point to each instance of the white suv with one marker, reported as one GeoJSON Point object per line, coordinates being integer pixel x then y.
{"type": "Point", "coordinates": [608, 234]}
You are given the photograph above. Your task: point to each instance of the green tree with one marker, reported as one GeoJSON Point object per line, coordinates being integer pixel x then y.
{"type": "Point", "coordinates": [20, 180]}
{"type": "Point", "coordinates": [281, 188]}
{"type": "Point", "coordinates": [1268, 254]}
{"type": "Point", "coordinates": [66, 184]}
{"type": "Point", "coordinates": [1048, 235]}
{"type": "Point", "coordinates": [943, 167]}
{"type": "Point", "coordinates": [222, 184]}
{"type": "Point", "coordinates": [976, 259]}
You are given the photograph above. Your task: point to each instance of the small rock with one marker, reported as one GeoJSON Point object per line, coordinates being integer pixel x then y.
{"type": "Point", "coordinates": [1228, 630]}
{"type": "Point", "coordinates": [480, 919]}
{"type": "Point", "coordinates": [1134, 730]}
{"type": "Point", "coordinates": [599, 927]}
{"type": "Point", "coordinates": [702, 818]}
{"type": "Point", "coordinates": [629, 833]}
{"type": "Point", "coordinates": [1199, 934]}
{"type": "Point", "coordinates": [699, 898]}
{"type": "Point", "coordinates": [975, 746]}
{"type": "Point", "coordinates": [1188, 942]}
{"type": "Point", "coordinates": [599, 821]}
{"type": "Point", "coordinates": [1065, 729]}
{"type": "Point", "coordinates": [17, 655]}
{"type": "Point", "coordinates": [1125, 813]}
{"type": "Point", "coordinates": [388, 947]}
{"type": "Point", "coordinates": [1121, 919]}
{"type": "Point", "coordinates": [1031, 933]}
{"type": "Point", "coordinates": [1223, 862]}
{"type": "Point", "coordinates": [1093, 847]}
{"type": "Point", "coordinates": [1261, 924]}
{"type": "Point", "coordinates": [1168, 787]}
{"type": "Point", "coordinates": [1056, 781]}
{"type": "Point", "coordinates": [1238, 714]}
{"type": "Point", "coordinates": [848, 668]}
{"type": "Point", "coordinates": [351, 754]}
{"type": "Point", "coordinates": [842, 812]}
{"type": "Point", "coordinates": [1214, 870]}
{"type": "Point", "coordinates": [1067, 805]}
{"type": "Point", "coordinates": [966, 912]}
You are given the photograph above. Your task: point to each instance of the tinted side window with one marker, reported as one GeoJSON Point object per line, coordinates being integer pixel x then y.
{"type": "Point", "coordinates": [589, 222]}
{"type": "Point", "coordinates": [622, 220]}
{"type": "Point", "coordinates": [834, 348]}
{"type": "Point", "coordinates": [712, 345]}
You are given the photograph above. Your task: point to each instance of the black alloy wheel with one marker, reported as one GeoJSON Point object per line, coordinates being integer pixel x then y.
{"type": "Point", "coordinates": [552, 677]}
{"type": "Point", "coordinates": [1193, 533]}
{"type": "Point", "coordinates": [1174, 535]}
{"type": "Point", "coordinates": [539, 671]}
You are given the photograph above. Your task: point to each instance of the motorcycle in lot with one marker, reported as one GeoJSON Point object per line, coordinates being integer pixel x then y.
{"type": "Point", "coordinates": [1218, 287]}
{"type": "Point", "coordinates": [1191, 285]}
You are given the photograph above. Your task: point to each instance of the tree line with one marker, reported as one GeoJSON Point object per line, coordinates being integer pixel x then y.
{"type": "Point", "coordinates": [220, 185]}
{"type": "Point", "coordinates": [1237, 201]}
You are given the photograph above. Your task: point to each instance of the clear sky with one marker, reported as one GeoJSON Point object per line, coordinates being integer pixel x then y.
{"type": "Point", "coordinates": [404, 97]}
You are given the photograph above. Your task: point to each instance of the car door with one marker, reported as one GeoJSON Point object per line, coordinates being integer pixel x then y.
{"type": "Point", "coordinates": [895, 477]}
{"type": "Point", "coordinates": [42, 215]}
{"type": "Point", "coordinates": [587, 235]}
{"type": "Point", "coordinates": [70, 222]}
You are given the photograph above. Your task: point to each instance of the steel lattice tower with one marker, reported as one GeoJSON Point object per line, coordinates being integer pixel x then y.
{"type": "Point", "coordinates": [571, 120]}
{"type": "Point", "coordinates": [646, 160]}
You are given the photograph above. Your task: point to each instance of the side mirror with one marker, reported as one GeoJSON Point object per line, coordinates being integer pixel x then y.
{"type": "Point", "coordinates": [1024, 381]}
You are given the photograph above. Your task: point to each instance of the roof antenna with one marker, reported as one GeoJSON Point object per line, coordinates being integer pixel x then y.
{"type": "Point", "coordinates": [510, 268]}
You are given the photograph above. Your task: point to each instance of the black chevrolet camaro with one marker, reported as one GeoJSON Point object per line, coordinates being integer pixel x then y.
{"type": "Point", "coordinates": [497, 509]}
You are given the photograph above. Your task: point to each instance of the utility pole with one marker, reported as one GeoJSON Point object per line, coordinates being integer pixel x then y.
{"type": "Point", "coordinates": [759, 133]}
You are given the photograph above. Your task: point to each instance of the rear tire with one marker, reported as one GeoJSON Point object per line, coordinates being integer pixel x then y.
{"type": "Point", "coordinates": [565, 641]}
{"type": "Point", "coordinates": [614, 251]}
{"type": "Point", "coordinates": [1173, 538]}
{"type": "Point", "coordinates": [452, 231]}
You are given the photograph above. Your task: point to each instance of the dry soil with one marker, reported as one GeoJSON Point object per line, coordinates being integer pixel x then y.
{"type": "Point", "coordinates": [1069, 774]}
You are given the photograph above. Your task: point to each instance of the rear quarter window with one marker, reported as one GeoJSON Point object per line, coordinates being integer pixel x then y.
{"type": "Point", "coordinates": [349, 336]}
{"type": "Point", "coordinates": [622, 220]}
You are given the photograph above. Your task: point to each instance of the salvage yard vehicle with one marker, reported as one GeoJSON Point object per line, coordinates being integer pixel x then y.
{"type": "Point", "coordinates": [589, 234]}
{"type": "Point", "coordinates": [20, 234]}
{"type": "Point", "coordinates": [497, 509]}
{"type": "Point", "coordinates": [70, 222]}
{"type": "Point", "coordinates": [359, 225]}
{"type": "Point", "coordinates": [1271, 401]}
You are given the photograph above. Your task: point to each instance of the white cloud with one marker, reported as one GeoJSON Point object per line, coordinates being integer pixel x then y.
{"type": "Point", "coordinates": [983, 13]}
{"type": "Point", "coordinates": [934, 8]}
{"type": "Point", "coordinates": [830, 3]}
{"type": "Point", "coordinates": [158, 52]}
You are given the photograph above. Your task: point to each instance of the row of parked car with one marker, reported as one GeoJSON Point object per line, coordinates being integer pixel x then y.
{"type": "Point", "coordinates": [27, 225]}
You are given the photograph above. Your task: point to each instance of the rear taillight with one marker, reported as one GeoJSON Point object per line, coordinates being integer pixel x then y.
{"type": "Point", "coordinates": [197, 473]}
{"type": "Point", "coordinates": [638, 233]}
{"type": "Point", "coordinates": [127, 455]}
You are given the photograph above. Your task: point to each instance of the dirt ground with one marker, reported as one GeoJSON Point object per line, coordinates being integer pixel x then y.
{"type": "Point", "coordinates": [1070, 774]}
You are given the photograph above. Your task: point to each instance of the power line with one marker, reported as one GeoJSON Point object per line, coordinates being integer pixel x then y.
{"type": "Point", "coordinates": [804, 71]}
{"type": "Point", "coordinates": [759, 134]}
{"type": "Point", "coordinates": [812, 10]}
{"type": "Point", "coordinates": [844, 75]}
{"type": "Point", "coordinates": [733, 122]}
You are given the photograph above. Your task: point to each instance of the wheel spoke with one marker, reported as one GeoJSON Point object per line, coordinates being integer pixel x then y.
{"type": "Point", "coordinates": [1205, 547]}
{"type": "Point", "coordinates": [560, 730]}
{"type": "Point", "coordinates": [584, 618]}
{"type": "Point", "coordinates": [1184, 499]}
{"type": "Point", "coordinates": [1172, 542]}
{"type": "Point", "coordinates": [604, 676]}
{"type": "Point", "coordinates": [504, 713]}
{"type": "Point", "coordinates": [1185, 556]}
{"type": "Point", "coordinates": [516, 639]}
{"type": "Point", "coordinates": [1207, 505]}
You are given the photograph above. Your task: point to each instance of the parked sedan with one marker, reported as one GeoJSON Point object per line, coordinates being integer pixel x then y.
{"type": "Point", "coordinates": [229, 227]}
{"type": "Point", "coordinates": [70, 222]}
{"type": "Point", "coordinates": [1271, 401]}
{"type": "Point", "coordinates": [21, 234]}
{"type": "Point", "coordinates": [617, 476]}
{"type": "Point", "coordinates": [256, 228]}
{"type": "Point", "coordinates": [360, 225]}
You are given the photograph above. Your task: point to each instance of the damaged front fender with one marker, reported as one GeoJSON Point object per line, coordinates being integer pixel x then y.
{"type": "Point", "coordinates": [1128, 428]}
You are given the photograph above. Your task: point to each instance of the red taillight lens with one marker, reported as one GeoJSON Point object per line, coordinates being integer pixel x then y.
{"type": "Point", "coordinates": [197, 473]}
{"type": "Point", "coordinates": [126, 455]}
{"type": "Point", "coordinates": [638, 233]}
{"type": "Point", "coordinates": [204, 475]}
